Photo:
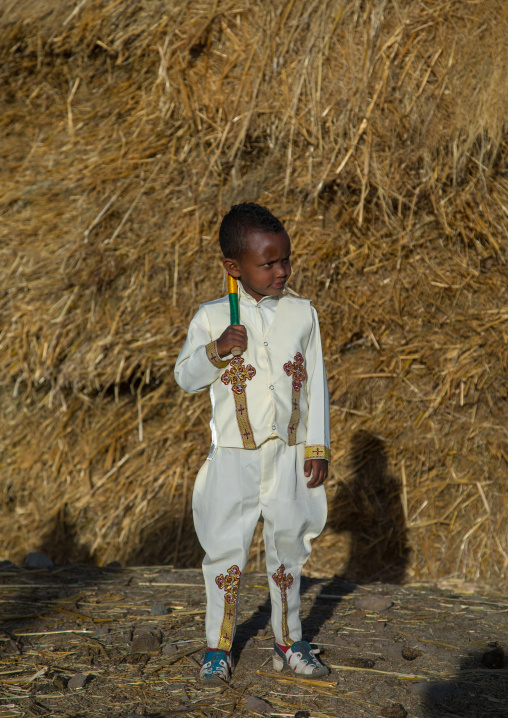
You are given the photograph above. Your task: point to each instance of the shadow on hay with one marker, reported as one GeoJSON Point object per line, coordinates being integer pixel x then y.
{"type": "Point", "coordinates": [368, 507]}
{"type": "Point", "coordinates": [61, 542]}
{"type": "Point", "coordinates": [478, 690]}
{"type": "Point", "coordinates": [170, 540]}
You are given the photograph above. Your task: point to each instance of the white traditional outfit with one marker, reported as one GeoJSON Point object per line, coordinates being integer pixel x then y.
{"type": "Point", "coordinates": [269, 413]}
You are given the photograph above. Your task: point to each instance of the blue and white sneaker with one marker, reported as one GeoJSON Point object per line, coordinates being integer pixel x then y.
{"type": "Point", "coordinates": [301, 659]}
{"type": "Point", "coordinates": [216, 667]}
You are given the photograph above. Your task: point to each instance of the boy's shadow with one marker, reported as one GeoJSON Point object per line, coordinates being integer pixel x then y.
{"type": "Point", "coordinates": [368, 507]}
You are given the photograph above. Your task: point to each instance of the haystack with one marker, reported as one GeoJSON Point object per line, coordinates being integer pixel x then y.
{"type": "Point", "coordinates": [377, 131]}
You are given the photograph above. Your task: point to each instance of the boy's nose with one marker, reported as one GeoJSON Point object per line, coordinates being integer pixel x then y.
{"type": "Point", "coordinates": [281, 270]}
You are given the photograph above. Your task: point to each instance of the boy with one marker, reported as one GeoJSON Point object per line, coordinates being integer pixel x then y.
{"type": "Point", "coordinates": [270, 437]}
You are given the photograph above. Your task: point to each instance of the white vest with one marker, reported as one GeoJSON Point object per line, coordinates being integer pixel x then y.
{"type": "Point", "coordinates": [277, 388]}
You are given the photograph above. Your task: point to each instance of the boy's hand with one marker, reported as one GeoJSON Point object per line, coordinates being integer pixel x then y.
{"type": "Point", "coordinates": [234, 336]}
{"type": "Point", "coordinates": [318, 468]}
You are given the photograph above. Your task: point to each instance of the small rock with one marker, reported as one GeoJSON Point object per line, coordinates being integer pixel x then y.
{"type": "Point", "coordinates": [410, 654]}
{"type": "Point", "coordinates": [302, 714]}
{"type": "Point", "coordinates": [78, 681]}
{"type": "Point", "coordinates": [158, 609]}
{"type": "Point", "coordinates": [37, 560]}
{"type": "Point", "coordinates": [168, 649]}
{"type": "Point", "coordinates": [114, 564]}
{"type": "Point", "coordinates": [60, 682]}
{"type": "Point", "coordinates": [494, 658]}
{"type": "Point", "coordinates": [375, 603]}
{"type": "Point", "coordinates": [397, 710]}
{"type": "Point", "coordinates": [145, 643]}
{"type": "Point", "coordinates": [258, 705]}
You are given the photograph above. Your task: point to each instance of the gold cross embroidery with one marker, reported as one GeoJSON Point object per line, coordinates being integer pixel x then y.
{"type": "Point", "coordinates": [238, 375]}
{"type": "Point", "coordinates": [230, 583]}
{"type": "Point", "coordinates": [284, 581]}
{"type": "Point", "coordinates": [297, 371]}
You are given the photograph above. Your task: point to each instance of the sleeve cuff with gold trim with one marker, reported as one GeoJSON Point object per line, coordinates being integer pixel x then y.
{"type": "Point", "coordinates": [317, 451]}
{"type": "Point", "coordinates": [213, 355]}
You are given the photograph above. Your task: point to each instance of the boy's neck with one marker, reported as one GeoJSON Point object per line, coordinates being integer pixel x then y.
{"type": "Point", "coordinates": [269, 296]}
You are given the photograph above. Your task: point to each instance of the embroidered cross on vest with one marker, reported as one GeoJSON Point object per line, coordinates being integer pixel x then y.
{"type": "Point", "coordinates": [237, 375]}
{"type": "Point", "coordinates": [230, 584]}
{"type": "Point", "coordinates": [297, 371]}
{"type": "Point", "coordinates": [284, 581]}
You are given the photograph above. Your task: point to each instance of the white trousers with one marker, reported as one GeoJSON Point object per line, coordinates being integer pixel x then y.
{"type": "Point", "coordinates": [231, 491]}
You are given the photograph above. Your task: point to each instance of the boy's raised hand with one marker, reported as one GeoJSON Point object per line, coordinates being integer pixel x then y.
{"type": "Point", "coordinates": [233, 336]}
{"type": "Point", "coordinates": [318, 469]}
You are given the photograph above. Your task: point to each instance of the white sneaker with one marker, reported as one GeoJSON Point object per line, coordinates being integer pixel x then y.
{"type": "Point", "coordinates": [301, 659]}
{"type": "Point", "coordinates": [216, 667]}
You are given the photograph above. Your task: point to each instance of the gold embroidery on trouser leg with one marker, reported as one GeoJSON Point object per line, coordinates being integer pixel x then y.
{"type": "Point", "coordinates": [237, 375]}
{"type": "Point", "coordinates": [284, 581]}
{"type": "Point", "coordinates": [230, 584]}
{"type": "Point", "coordinates": [297, 371]}
{"type": "Point", "coordinates": [317, 451]}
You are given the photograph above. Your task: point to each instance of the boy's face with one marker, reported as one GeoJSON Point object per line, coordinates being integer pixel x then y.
{"type": "Point", "coordinates": [265, 265]}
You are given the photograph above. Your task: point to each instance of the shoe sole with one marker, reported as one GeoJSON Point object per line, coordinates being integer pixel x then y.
{"type": "Point", "coordinates": [213, 681]}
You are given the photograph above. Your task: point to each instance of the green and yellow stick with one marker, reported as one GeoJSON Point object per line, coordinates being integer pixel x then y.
{"type": "Point", "coordinates": [234, 310]}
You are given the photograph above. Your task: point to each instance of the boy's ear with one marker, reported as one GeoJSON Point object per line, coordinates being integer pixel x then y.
{"type": "Point", "coordinates": [231, 267]}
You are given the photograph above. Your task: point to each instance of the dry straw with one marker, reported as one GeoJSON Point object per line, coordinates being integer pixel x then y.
{"type": "Point", "coordinates": [377, 131]}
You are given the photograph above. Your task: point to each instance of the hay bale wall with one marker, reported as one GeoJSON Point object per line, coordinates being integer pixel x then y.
{"type": "Point", "coordinates": [377, 131]}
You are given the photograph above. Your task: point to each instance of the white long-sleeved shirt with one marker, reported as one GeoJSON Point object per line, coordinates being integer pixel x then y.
{"type": "Point", "coordinates": [277, 388]}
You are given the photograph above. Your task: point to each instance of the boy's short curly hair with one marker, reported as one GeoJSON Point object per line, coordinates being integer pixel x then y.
{"type": "Point", "coordinates": [240, 219]}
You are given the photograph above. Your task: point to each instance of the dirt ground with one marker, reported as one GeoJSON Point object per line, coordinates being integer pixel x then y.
{"type": "Point", "coordinates": [82, 641]}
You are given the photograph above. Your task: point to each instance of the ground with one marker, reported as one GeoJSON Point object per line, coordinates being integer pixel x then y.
{"type": "Point", "coordinates": [83, 641]}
